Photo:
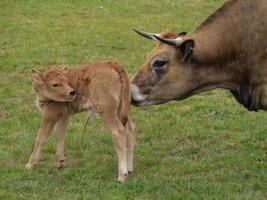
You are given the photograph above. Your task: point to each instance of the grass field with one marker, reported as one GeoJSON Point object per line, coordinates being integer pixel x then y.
{"type": "Point", "coordinates": [205, 147]}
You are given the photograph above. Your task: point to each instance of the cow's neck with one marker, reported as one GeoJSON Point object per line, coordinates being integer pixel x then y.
{"type": "Point", "coordinates": [207, 78]}
{"type": "Point", "coordinates": [217, 53]}
{"type": "Point", "coordinates": [219, 64]}
{"type": "Point", "coordinates": [235, 77]}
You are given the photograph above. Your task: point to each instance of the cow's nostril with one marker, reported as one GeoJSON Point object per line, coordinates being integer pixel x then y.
{"type": "Point", "coordinates": [72, 93]}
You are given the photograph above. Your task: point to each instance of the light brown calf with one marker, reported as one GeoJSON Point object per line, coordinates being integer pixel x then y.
{"type": "Point", "coordinates": [101, 87]}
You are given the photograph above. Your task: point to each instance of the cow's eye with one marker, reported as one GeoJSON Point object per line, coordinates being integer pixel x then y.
{"type": "Point", "coordinates": [159, 63]}
{"type": "Point", "coordinates": [55, 85]}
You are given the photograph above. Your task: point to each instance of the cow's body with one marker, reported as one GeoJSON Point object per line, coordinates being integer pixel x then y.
{"type": "Point", "coordinates": [101, 87]}
{"type": "Point", "coordinates": [228, 50]}
{"type": "Point", "coordinates": [234, 42]}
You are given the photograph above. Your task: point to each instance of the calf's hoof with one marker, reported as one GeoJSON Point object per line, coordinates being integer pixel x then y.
{"type": "Point", "coordinates": [29, 166]}
{"type": "Point", "coordinates": [122, 178]}
{"type": "Point", "coordinates": [60, 164]}
{"type": "Point", "coordinates": [130, 170]}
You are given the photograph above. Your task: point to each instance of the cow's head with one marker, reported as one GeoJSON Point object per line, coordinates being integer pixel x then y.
{"type": "Point", "coordinates": [53, 85]}
{"type": "Point", "coordinates": [167, 72]}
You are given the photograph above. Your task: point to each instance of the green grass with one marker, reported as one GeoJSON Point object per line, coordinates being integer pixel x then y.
{"type": "Point", "coordinates": [205, 147]}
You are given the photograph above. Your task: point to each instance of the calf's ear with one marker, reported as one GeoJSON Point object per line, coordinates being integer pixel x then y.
{"type": "Point", "coordinates": [37, 75]}
{"type": "Point", "coordinates": [65, 70]}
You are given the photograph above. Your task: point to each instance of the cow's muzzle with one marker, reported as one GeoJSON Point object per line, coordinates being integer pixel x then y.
{"type": "Point", "coordinates": [136, 96]}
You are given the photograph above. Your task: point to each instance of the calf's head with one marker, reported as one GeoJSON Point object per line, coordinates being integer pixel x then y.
{"type": "Point", "coordinates": [53, 85]}
{"type": "Point", "coordinates": [167, 72]}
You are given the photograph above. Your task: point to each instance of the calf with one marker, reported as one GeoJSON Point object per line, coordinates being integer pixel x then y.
{"type": "Point", "coordinates": [101, 87]}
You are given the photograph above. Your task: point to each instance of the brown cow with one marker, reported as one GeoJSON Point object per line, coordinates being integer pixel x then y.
{"type": "Point", "coordinates": [228, 50]}
{"type": "Point", "coordinates": [101, 87]}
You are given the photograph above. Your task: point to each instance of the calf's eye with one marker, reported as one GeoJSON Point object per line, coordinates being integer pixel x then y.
{"type": "Point", "coordinates": [55, 85]}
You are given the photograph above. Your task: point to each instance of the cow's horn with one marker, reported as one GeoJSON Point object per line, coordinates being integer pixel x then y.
{"type": "Point", "coordinates": [146, 34]}
{"type": "Point", "coordinates": [176, 42]}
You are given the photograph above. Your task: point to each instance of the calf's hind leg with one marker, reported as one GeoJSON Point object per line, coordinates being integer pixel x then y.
{"type": "Point", "coordinates": [118, 132]}
{"type": "Point", "coordinates": [130, 138]}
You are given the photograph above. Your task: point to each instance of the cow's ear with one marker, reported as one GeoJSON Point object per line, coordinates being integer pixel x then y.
{"type": "Point", "coordinates": [182, 34]}
{"type": "Point", "coordinates": [186, 50]}
{"type": "Point", "coordinates": [37, 75]}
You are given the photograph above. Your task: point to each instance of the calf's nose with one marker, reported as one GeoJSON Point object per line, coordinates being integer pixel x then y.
{"type": "Point", "coordinates": [72, 93]}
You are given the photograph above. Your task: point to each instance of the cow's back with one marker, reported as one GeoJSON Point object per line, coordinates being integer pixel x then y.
{"type": "Point", "coordinates": [235, 32]}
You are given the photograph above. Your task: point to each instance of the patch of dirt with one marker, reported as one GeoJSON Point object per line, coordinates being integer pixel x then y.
{"type": "Point", "coordinates": [184, 108]}
{"type": "Point", "coordinates": [3, 114]}
{"type": "Point", "coordinates": [13, 100]}
{"type": "Point", "coordinates": [210, 114]}
{"type": "Point", "coordinates": [4, 162]}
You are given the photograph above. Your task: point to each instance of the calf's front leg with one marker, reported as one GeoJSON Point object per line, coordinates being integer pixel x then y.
{"type": "Point", "coordinates": [43, 133]}
{"type": "Point", "coordinates": [61, 127]}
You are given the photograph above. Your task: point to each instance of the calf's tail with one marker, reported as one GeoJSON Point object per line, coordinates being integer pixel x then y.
{"type": "Point", "coordinates": [124, 107]}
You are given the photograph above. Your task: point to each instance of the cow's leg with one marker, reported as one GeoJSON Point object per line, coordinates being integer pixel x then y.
{"type": "Point", "coordinates": [61, 127]}
{"type": "Point", "coordinates": [130, 138]}
{"type": "Point", "coordinates": [255, 99]}
{"type": "Point", "coordinates": [43, 132]}
{"type": "Point", "coordinates": [263, 98]}
{"type": "Point", "coordinates": [118, 131]}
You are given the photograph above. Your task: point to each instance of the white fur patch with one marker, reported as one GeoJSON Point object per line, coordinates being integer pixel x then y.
{"type": "Point", "coordinates": [136, 95]}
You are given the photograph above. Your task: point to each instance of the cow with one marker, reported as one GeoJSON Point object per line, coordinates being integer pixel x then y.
{"type": "Point", "coordinates": [100, 87]}
{"type": "Point", "coordinates": [228, 50]}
